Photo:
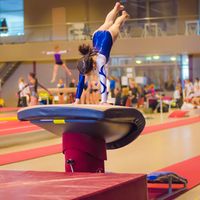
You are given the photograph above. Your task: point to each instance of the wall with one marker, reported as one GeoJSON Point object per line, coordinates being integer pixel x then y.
{"type": "Point", "coordinates": [199, 8]}
{"type": "Point", "coordinates": [129, 46]}
{"type": "Point", "coordinates": [186, 7]}
{"type": "Point", "coordinates": [40, 11]}
{"type": "Point", "coordinates": [98, 9]}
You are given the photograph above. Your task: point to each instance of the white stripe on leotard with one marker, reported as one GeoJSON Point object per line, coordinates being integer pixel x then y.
{"type": "Point", "coordinates": [101, 61]}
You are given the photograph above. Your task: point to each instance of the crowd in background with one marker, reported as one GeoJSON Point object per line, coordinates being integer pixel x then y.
{"type": "Point", "coordinates": [137, 95]}
{"type": "Point", "coordinates": [192, 92]}
{"type": "Point", "coordinates": [132, 95]}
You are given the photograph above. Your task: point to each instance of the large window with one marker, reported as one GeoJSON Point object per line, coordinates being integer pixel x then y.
{"type": "Point", "coordinates": [162, 70]}
{"type": "Point", "coordinates": [185, 66]}
{"type": "Point", "coordinates": [11, 17]}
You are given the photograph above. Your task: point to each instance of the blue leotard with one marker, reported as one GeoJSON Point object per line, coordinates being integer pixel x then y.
{"type": "Point", "coordinates": [102, 43]}
{"type": "Point", "coordinates": [80, 86]}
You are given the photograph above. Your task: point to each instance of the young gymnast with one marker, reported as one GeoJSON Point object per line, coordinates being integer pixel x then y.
{"type": "Point", "coordinates": [97, 56]}
{"type": "Point", "coordinates": [33, 88]}
{"type": "Point", "coordinates": [61, 94]}
{"type": "Point", "coordinates": [94, 88]}
{"type": "Point", "coordinates": [58, 62]}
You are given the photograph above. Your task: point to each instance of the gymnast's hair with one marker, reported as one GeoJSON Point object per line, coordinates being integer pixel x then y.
{"type": "Point", "coordinates": [32, 75]}
{"type": "Point", "coordinates": [85, 64]}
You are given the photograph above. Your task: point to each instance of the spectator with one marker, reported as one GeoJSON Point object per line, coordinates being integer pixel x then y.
{"type": "Point", "coordinates": [141, 96]}
{"type": "Point", "coordinates": [72, 83]}
{"type": "Point", "coordinates": [196, 98]}
{"type": "Point", "coordinates": [125, 96]}
{"type": "Point", "coordinates": [133, 92]}
{"type": "Point", "coordinates": [60, 94]}
{"type": "Point", "coordinates": [23, 94]}
{"type": "Point", "coordinates": [196, 87]}
{"type": "Point", "coordinates": [177, 97]}
{"type": "Point", "coordinates": [117, 96]}
{"type": "Point", "coordinates": [189, 90]}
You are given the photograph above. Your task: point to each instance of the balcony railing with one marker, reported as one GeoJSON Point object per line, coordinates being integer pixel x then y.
{"type": "Point", "coordinates": [133, 28]}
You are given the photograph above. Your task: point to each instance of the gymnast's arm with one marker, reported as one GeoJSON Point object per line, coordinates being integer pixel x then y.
{"type": "Point", "coordinates": [101, 61]}
{"type": "Point", "coordinates": [44, 88]}
{"type": "Point", "coordinates": [80, 87]}
{"type": "Point", "coordinates": [63, 51]}
{"type": "Point", "coordinates": [23, 88]}
{"type": "Point", "coordinates": [48, 52]}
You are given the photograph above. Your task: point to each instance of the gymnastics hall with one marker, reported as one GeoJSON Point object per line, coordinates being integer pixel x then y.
{"type": "Point", "coordinates": [99, 99]}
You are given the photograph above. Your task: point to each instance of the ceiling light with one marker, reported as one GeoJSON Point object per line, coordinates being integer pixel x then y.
{"type": "Point", "coordinates": [156, 57]}
{"type": "Point", "coordinates": [173, 58]}
{"type": "Point", "coordinates": [138, 61]}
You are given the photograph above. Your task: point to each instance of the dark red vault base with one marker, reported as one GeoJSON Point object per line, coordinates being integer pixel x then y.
{"type": "Point", "coordinates": [83, 186]}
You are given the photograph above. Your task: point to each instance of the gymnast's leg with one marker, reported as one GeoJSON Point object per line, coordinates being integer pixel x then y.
{"type": "Point", "coordinates": [33, 101]}
{"type": "Point", "coordinates": [55, 71]}
{"type": "Point", "coordinates": [110, 18]}
{"type": "Point", "coordinates": [66, 69]}
{"type": "Point", "coordinates": [115, 28]}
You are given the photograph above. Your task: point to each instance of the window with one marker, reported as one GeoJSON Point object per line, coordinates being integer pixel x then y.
{"type": "Point", "coordinates": [11, 17]}
{"type": "Point", "coordinates": [185, 67]}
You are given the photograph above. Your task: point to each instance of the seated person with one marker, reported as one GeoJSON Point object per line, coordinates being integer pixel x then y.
{"type": "Point", "coordinates": [177, 97]}
{"type": "Point", "coordinates": [196, 101]}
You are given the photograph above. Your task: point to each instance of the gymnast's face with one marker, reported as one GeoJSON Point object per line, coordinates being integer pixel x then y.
{"type": "Point", "coordinates": [57, 49]}
{"type": "Point", "coordinates": [31, 79]}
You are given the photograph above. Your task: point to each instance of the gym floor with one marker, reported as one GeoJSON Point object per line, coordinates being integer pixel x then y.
{"type": "Point", "coordinates": [150, 152]}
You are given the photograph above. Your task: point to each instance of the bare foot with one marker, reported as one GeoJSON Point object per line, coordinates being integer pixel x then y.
{"type": "Point", "coordinates": [125, 14]}
{"type": "Point", "coordinates": [77, 101]}
{"type": "Point", "coordinates": [105, 104]}
{"type": "Point", "coordinates": [118, 6]}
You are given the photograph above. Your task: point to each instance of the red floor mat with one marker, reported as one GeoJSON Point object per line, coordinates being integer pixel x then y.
{"type": "Point", "coordinates": [29, 154]}
{"type": "Point", "coordinates": [16, 127]}
{"type": "Point", "coordinates": [168, 125]}
{"type": "Point", "coordinates": [36, 153]}
{"type": "Point", "coordinates": [10, 109]}
{"type": "Point", "coordinates": [189, 169]}
{"type": "Point", "coordinates": [16, 185]}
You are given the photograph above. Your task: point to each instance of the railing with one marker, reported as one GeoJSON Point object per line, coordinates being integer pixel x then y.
{"type": "Point", "coordinates": [133, 28]}
{"type": "Point", "coordinates": [7, 70]}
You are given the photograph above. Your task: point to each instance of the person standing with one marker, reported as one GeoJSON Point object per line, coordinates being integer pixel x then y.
{"type": "Point", "coordinates": [23, 95]}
